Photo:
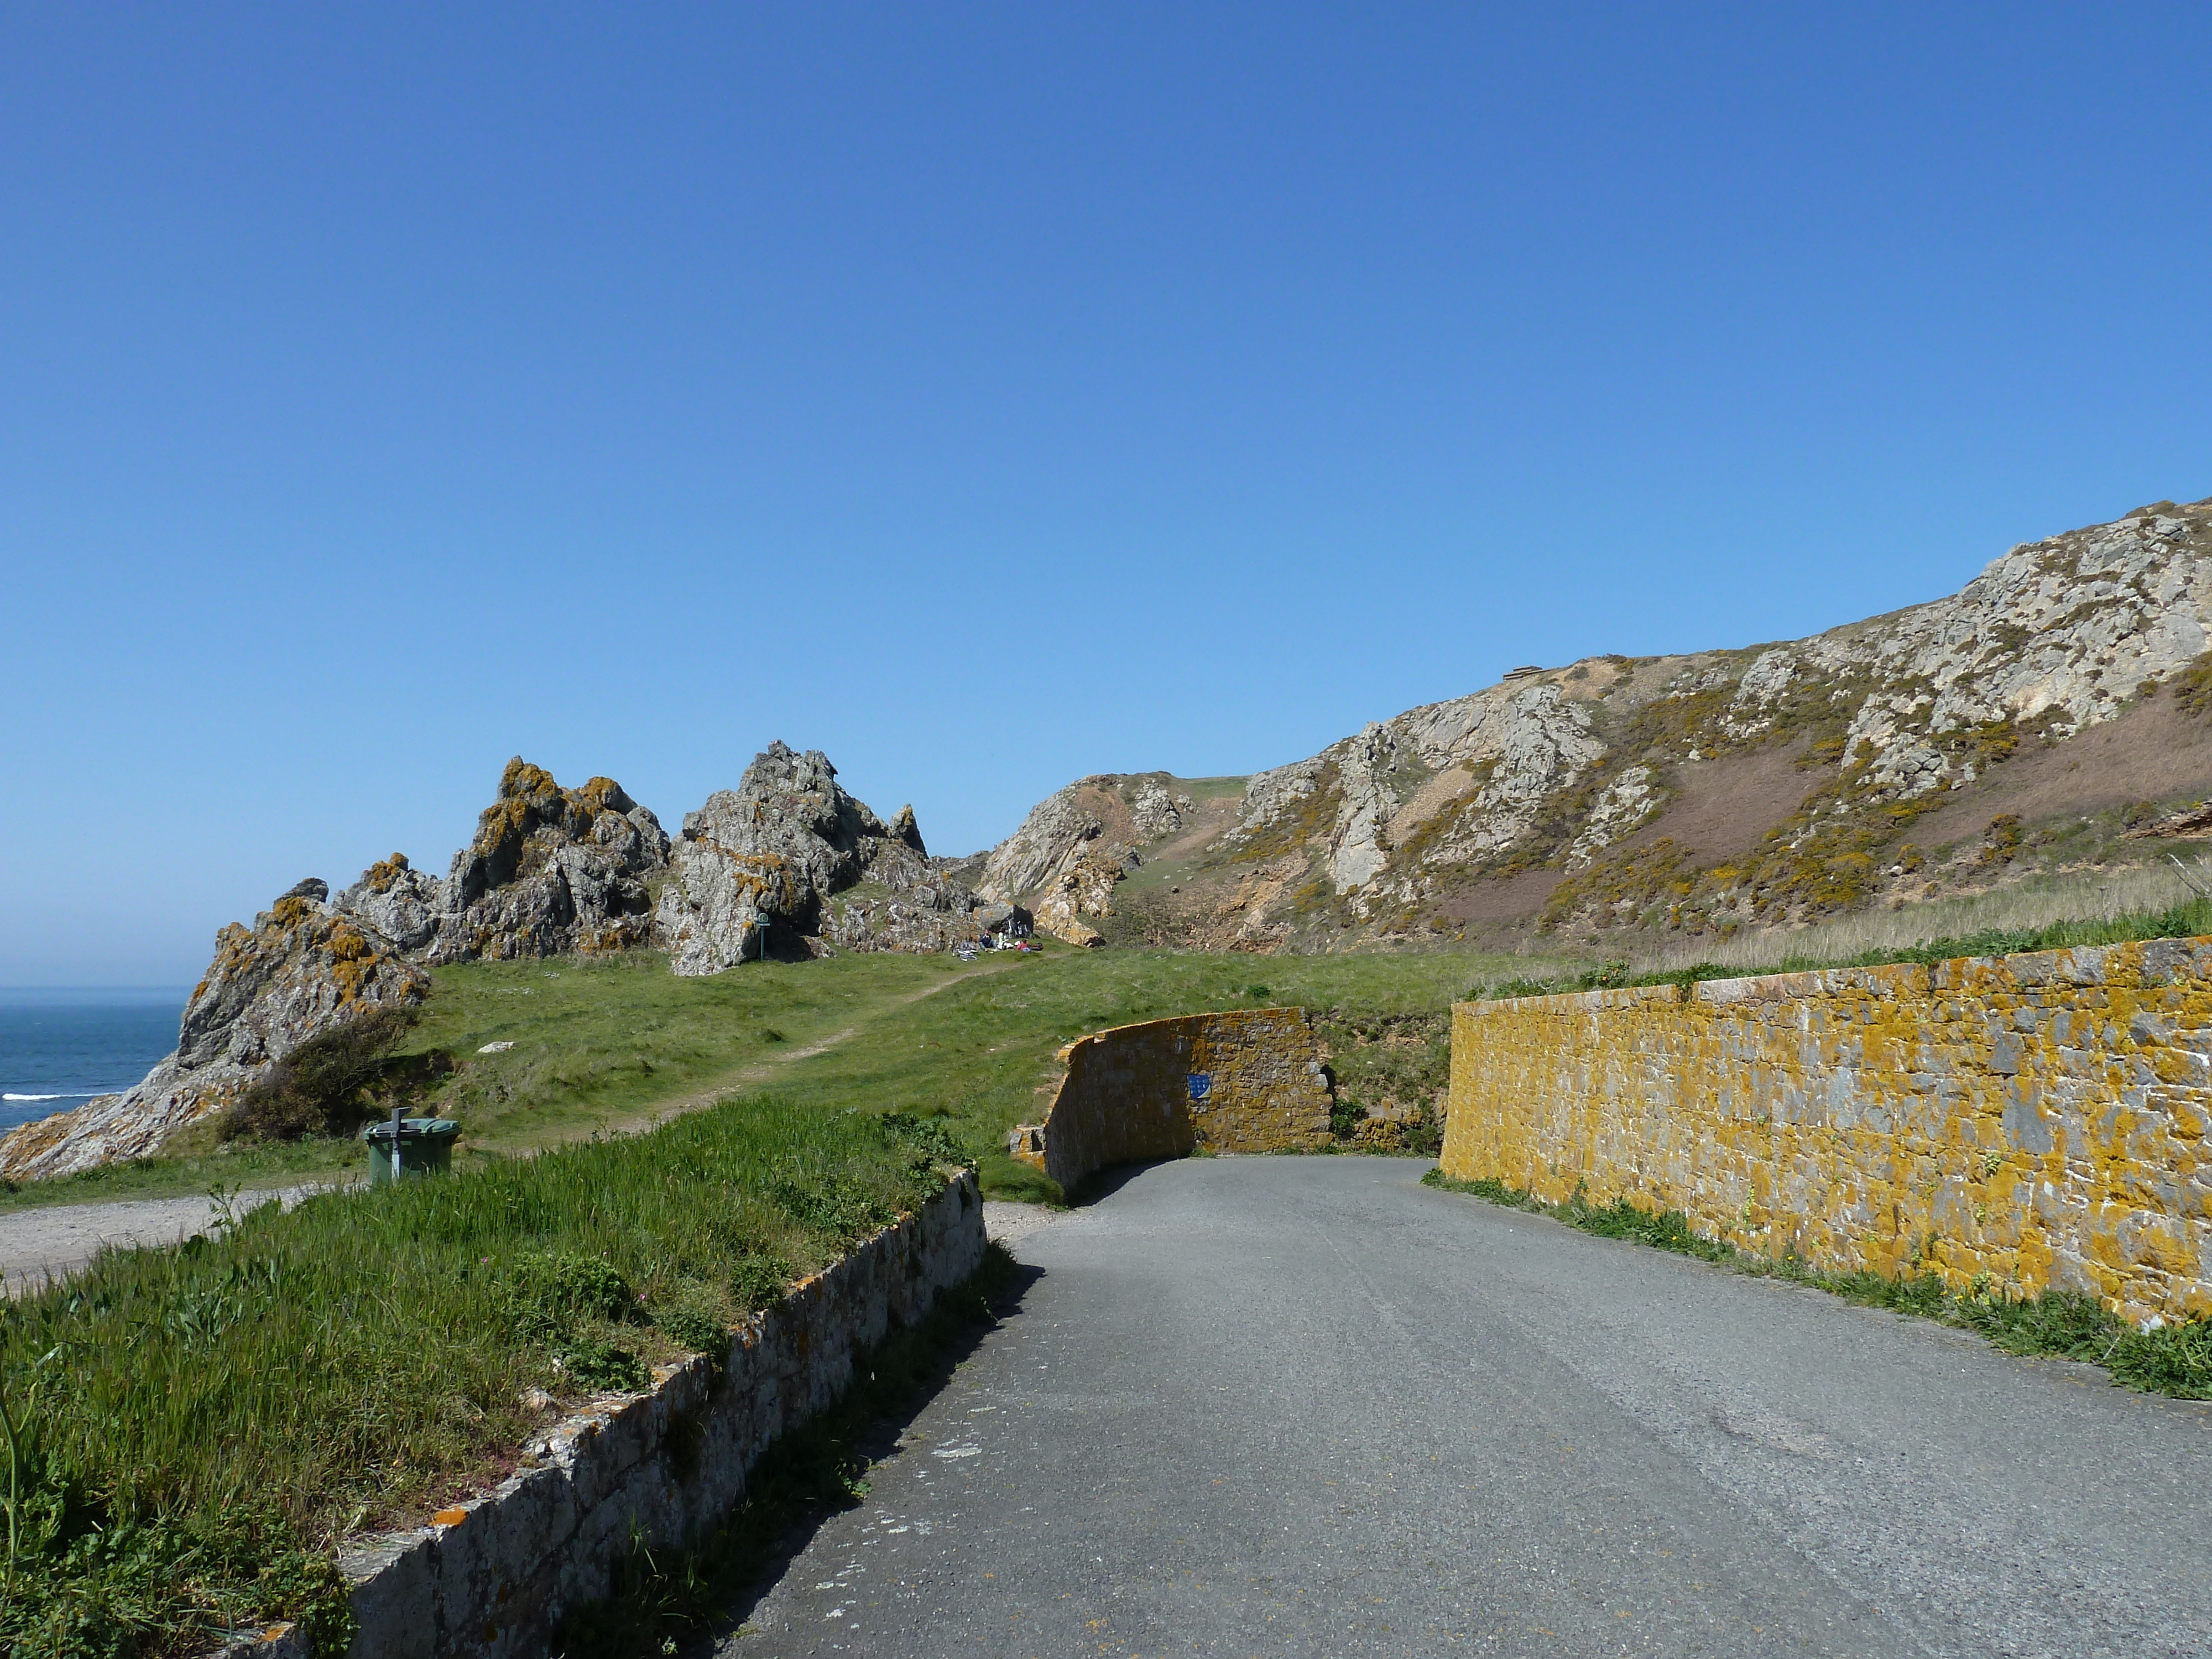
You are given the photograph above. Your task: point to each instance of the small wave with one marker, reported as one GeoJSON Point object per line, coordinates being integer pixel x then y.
{"type": "Point", "coordinates": [89, 1095]}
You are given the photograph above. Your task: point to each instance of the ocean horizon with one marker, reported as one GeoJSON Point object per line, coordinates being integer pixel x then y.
{"type": "Point", "coordinates": [62, 1045]}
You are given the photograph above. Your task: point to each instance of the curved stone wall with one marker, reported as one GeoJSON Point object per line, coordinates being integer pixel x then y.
{"type": "Point", "coordinates": [1246, 1080]}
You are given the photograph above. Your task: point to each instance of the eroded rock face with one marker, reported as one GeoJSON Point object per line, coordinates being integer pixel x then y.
{"type": "Point", "coordinates": [1077, 843]}
{"type": "Point", "coordinates": [790, 853]}
{"type": "Point", "coordinates": [302, 967]}
{"type": "Point", "coordinates": [1570, 777]}
{"type": "Point", "coordinates": [550, 871]}
{"type": "Point", "coordinates": [1439, 786]}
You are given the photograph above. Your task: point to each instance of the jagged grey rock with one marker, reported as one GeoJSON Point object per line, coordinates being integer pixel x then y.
{"type": "Point", "coordinates": [400, 902]}
{"type": "Point", "coordinates": [789, 853]}
{"type": "Point", "coordinates": [550, 870]}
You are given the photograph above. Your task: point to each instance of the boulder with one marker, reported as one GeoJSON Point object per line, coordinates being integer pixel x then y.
{"type": "Point", "coordinates": [303, 967]}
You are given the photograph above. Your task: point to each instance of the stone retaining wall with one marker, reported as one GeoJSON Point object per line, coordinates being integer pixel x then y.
{"type": "Point", "coordinates": [494, 1576]}
{"type": "Point", "coordinates": [2014, 1123]}
{"type": "Point", "coordinates": [1248, 1080]}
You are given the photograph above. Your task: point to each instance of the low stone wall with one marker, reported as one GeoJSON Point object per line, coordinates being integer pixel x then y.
{"type": "Point", "coordinates": [1249, 1080]}
{"type": "Point", "coordinates": [494, 1576]}
{"type": "Point", "coordinates": [2019, 1123]}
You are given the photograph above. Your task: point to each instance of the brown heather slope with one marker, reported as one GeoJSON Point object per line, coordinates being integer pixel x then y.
{"type": "Point", "coordinates": [2064, 697]}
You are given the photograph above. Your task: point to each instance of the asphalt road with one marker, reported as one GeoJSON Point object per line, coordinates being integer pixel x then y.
{"type": "Point", "coordinates": [1308, 1407]}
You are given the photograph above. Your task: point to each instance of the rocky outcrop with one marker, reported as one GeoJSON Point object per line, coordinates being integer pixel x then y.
{"type": "Point", "coordinates": [302, 967]}
{"type": "Point", "coordinates": [1077, 843]}
{"type": "Point", "coordinates": [550, 871]}
{"type": "Point", "coordinates": [398, 901]}
{"type": "Point", "coordinates": [789, 860]}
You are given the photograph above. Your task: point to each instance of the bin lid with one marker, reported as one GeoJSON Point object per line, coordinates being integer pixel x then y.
{"type": "Point", "coordinates": [415, 1128]}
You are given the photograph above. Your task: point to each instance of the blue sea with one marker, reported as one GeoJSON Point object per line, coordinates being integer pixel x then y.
{"type": "Point", "coordinates": [59, 1045]}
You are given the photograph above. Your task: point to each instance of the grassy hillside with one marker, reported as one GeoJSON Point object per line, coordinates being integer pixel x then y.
{"type": "Point", "coordinates": [978, 1057]}
{"type": "Point", "coordinates": [601, 1045]}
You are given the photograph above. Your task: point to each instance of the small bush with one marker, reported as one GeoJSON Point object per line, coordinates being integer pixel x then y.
{"type": "Point", "coordinates": [759, 1280]}
{"type": "Point", "coordinates": [602, 1366]}
{"type": "Point", "coordinates": [558, 1292]}
{"type": "Point", "coordinates": [2175, 1360]}
{"type": "Point", "coordinates": [325, 1086]}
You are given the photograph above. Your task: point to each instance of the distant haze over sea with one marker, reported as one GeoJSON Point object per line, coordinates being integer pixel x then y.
{"type": "Point", "coordinates": [61, 1045]}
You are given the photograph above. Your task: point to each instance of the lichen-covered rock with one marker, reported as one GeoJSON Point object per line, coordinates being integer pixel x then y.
{"type": "Point", "coordinates": [791, 854]}
{"type": "Point", "coordinates": [301, 969]}
{"type": "Point", "coordinates": [550, 871]}
{"type": "Point", "coordinates": [1083, 885]}
{"type": "Point", "coordinates": [400, 902]}
{"type": "Point", "coordinates": [718, 903]}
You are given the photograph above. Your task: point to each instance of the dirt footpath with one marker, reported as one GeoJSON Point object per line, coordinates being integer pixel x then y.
{"type": "Point", "coordinates": [36, 1245]}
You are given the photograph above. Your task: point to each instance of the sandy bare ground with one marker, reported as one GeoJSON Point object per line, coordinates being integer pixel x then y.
{"type": "Point", "coordinates": [1009, 1224]}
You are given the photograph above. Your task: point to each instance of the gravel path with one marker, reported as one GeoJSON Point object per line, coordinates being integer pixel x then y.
{"type": "Point", "coordinates": [55, 1242]}
{"type": "Point", "coordinates": [1308, 1407]}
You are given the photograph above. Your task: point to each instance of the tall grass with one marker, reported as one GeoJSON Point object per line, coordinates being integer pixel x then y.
{"type": "Point", "coordinates": [2131, 905]}
{"type": "Point", "coordinates": [191, 1429]}
{"type": "Point", "coordinates": [2106, 906]}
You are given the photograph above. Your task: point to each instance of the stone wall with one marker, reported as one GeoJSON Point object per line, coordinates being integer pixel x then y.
{"type": "Point", "coordinates": [494, 1576]}
{"type": "Point", "coordinates": [2014, 1123]}
{"type": "Point", "coordinates": [1249, 1080]}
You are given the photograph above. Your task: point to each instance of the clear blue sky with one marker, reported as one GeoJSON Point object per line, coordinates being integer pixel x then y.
{"type": "Point", "coordinates": [987, 396]}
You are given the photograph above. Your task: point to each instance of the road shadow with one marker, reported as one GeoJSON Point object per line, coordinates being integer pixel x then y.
{"type": "Point", "coordinates": [1102, 1184]}
{"type": "Point", "coordinates": [874, 1434]}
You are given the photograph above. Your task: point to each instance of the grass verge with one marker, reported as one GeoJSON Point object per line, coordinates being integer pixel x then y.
{"type": "Point", "coordinates": [664, 1599]}
{"type": "Point", "coordinates": [188, 1432]}
{"type": "Point", "coordinates": [2171, 1359]}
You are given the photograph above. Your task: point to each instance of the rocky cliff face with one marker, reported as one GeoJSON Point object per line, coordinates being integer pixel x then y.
{"type": "Point", "coordinates": [303, 966]}
{"type": "Point", "coordinates": [2068, 683]}
{"type": "Point", "coordinates": [1077, 843]}
{"type": "Point", "coordinates": [788, 858]}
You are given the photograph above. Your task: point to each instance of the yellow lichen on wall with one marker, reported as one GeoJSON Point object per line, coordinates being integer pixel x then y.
{"type": "Point", "coordinates": [2014, 1123]}
{"type": "Point", "coordinates": [1131, 1093]}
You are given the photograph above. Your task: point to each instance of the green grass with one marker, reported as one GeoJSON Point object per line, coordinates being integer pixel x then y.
{"type": "Point", "coordinates": [600, 1044]}
{"type": "Point", "coordinates": [2190, 919]}
{"type": "Point", "coordinates": [978, 1056]}
{"type": "Point", "coordinates": [2172, 1359]}
{"type": "Point", "coordinates": [190, 1430]}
